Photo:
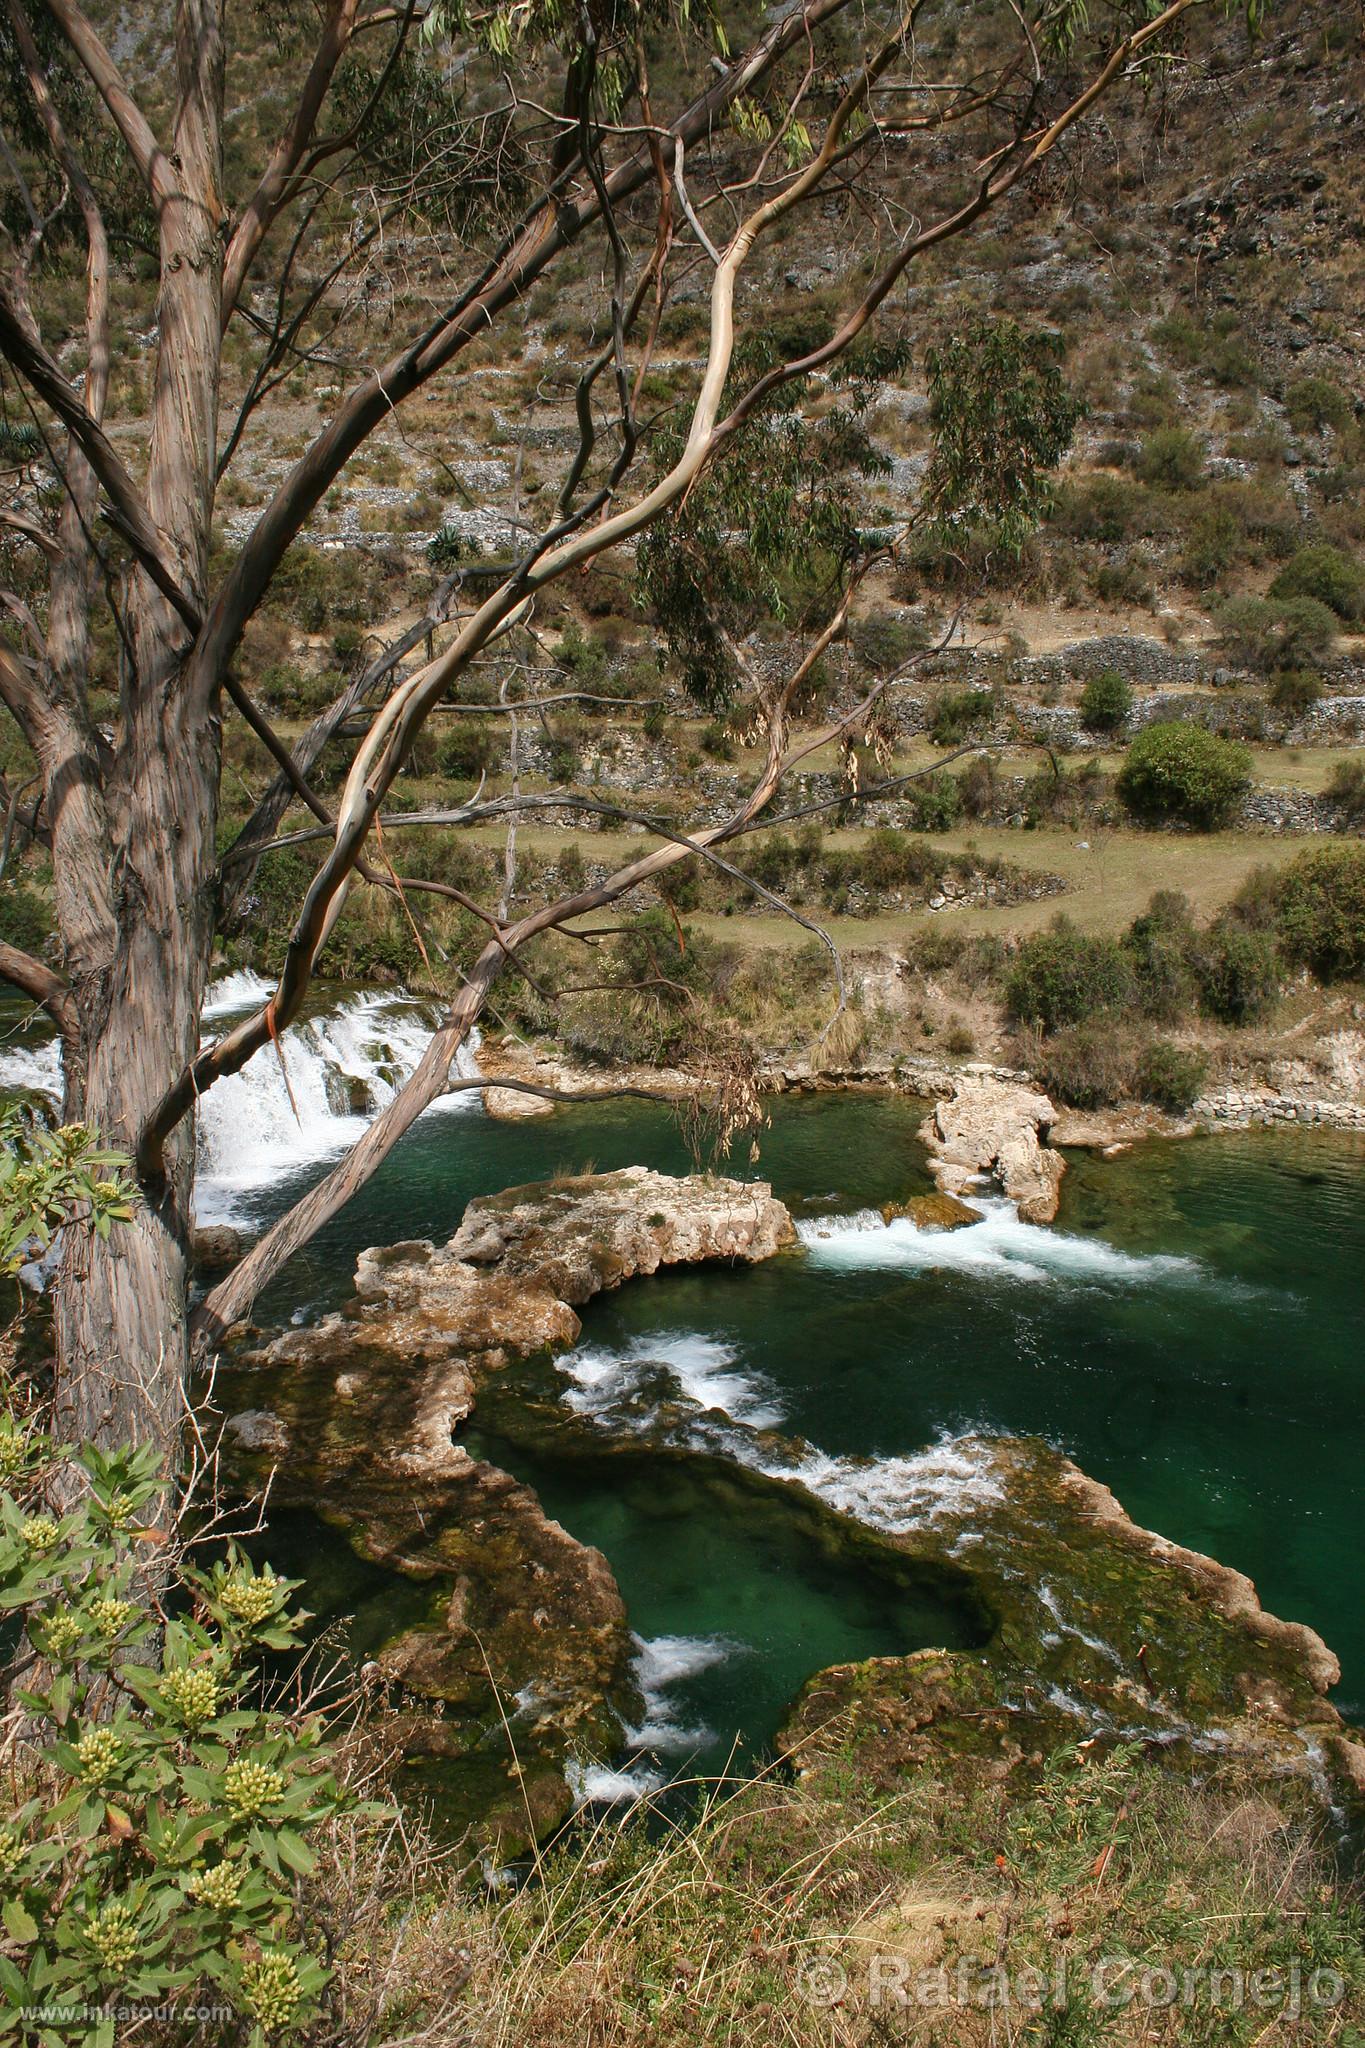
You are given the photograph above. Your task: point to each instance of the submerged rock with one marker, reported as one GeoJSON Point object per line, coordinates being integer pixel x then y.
{"type": "Point", "coordinates": [932, 1212]}
{"type": "Point", "coordinates": [989, 1126]}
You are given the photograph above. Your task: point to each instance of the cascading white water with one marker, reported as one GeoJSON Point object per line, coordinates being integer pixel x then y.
{"type": "Point", "coordinates": [286, 1110]}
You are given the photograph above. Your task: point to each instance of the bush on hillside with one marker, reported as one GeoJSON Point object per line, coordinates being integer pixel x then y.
{"type": "Point", "coordinates": [1271, 635]}
{"type": "Point", "coordinates": [1160, 943]}
{"type": "Point", "coordinates": [1294, 691]}
{"type": "Point", "coordinates": [468, 750]}
{"type": "Point", "coordinates": [1106, 702]}
{"type": "Point", "coordinates": [1326, 574]}
{"type": "Point", "coordinates": [1320, 913]}
{"type": "Point", "coordinates": [1178, 771]}
{"type": "Point", "coordinates": [1313, 403]}
{"type": "Point", "coordinates": [1172, 459]}
{"type": "Point", "coordinates": [1172, 1076]}
{"type": "Point", "coordinates": [956, 714]}
{"type": "Point", "coordinates": [1347, 788]}
{"type": "Point", "coordinates": [1239, 972]}
{"type": "Point", "coordinates": [1088, 1065]}
{"type": "Point", "coordinates": [1064, 976]}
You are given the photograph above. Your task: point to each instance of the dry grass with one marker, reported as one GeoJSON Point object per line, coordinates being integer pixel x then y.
{"type": "Point", "coordinates": [813, 1913]}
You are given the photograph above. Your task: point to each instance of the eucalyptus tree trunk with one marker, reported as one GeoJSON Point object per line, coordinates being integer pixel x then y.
{"type": "Point", "coordinates": [134, 872]}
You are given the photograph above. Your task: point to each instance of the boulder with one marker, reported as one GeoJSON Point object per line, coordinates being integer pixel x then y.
{"type": "Point", "coordinates": [989, 1126]}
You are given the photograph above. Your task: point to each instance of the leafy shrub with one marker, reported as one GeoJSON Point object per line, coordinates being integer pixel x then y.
{"type": "Point", "coordinates": [468, 750]}
{"type": "Point", "coordinates": [25, 919]}
{"type": "Point", "coordinates": [1294, 690]}
{"type": "Point", "coordinates": [1179, 771]}
{"type": "Point", "coordinates": [1320, 914]}
{"type": "Point", "coordinates": [1326, 574]}
{"type": "Point", "coordinates": [1106, 702]}
{"type": "Point", "coordinates": [1347, 788]}
{"type": "Point", "coordinates": [1213, 542]}
{"type": "Point", "coordinates": [1272, 634]}
{"type": "Point", "coordinates": [1064, 976]}
{"type": "Point", "coordinates": [1172, 1076]}
{"type": "Point", "coordinates": [1102, 508]}
{"type": "Point", "coordinates": [1172, 459]}
{"type": "Point", "coordinates": [1090, 1065]}
{"type": "Point", "coordinates": [448, 548]}
{"type": "Point", "coordinates": [1313, 403]}
{"type": "Point", "coordinates": [159, 1814]}
{"type": "Point", "coordinates": [976, 786]}
{"type": "Point", "coordinates": [1160, 943]}
{"type": "Point", "coordinates": [884, 642]}
{"type": "Point", "coordinates": [1126, 581]}
{"type": "Point", "coordinates": [1239, 971]}
{"type": "Point", "coordinates": [936, 803]}
{"type": "Point", "coordinates": [158, 1850]}
{"type": "Point", "coordinates": [956, 714]}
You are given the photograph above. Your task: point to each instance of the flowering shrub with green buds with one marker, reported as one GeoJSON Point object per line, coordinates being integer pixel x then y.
{"type": "Point", "coordinates": [163, 1832]}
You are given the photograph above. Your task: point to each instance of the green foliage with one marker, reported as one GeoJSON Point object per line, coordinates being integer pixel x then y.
{"type": "Point", "coordinates": [956, 714]}
{"type": "Point", "coordinates": [448, 548]}
{"type": "Point", "coordinates": [157, 1852]}
{"type": "Point", "coordinates": [791, 484]}
{"type": "Point", "coordinates": [1313, 403]}
{"type": "Point", "coordinates": [1064, 976]}
{"type": "Point", "coordinates": [1294, 690]}
{"type": "Point", "coordinates": [1106, 702]}
{"type": "Point", "coordinates": [1327, 575]}
{"type": "Point", "coordinates": [1172, 459]}
{"type": "Point", "coordinates": [25, 919]}
{"type": "Point", "coordinates": [156, 1840]}
{"type": "Point", "coordinates": [1103, 508]}
{"type": "Point", "coordinates": [1239, 972]}
{"type": "Point", "coordinates": [1347, 788]}
{"type": "Point", "coordinates": [1320, 911]}
{"type": "Point", "coordinates": [936, 803]}
{"type": "Point", "coordinates": [1180, 771]}
{"type": "Point", "coordinates": [1090, 1065]}
{"type": "Point", "coordinates": [50, 1178]}
{"type": "Point", "coordinates": [1276, 634]}
{"type": "Point", "coordinates": [1161, 945]}
{"type": "Point", "coordinates": [468, 750]}
{"type": "Point", "coordinates": [1215, 347]}
{"type": "Point", "coordinates": [1172, 1076]}
{"type": "Point", "coordinates": [1002, 418]}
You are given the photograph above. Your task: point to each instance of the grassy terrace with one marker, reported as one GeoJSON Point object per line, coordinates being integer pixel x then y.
{"type": "Point", "coordinates": [1111, 876]}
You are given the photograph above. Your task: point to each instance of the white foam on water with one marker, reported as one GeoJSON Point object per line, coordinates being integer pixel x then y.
{"type": "Point", "coordinates": [703, 1368]}
{"type": "Point", "coordinates": [999, 1245]}
{"type": "Point", "coordinates": [241, 990]}
{"type": "Point", "coordinates": [662, 1662]}
{"type": "Point", "coordinates": [34, 1067]}
{"type": "Point", "coordinates": [598, 1785]}
{"type": "Point", "coordinates": [286, 1110]}
{"type": "Point", "coordinates": [952, 1477]}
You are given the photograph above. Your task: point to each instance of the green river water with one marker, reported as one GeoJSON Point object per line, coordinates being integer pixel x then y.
{"type": "Point", "coordinates": [1190, 1331]}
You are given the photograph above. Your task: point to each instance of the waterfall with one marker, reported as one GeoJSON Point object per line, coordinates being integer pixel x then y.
{"type": "Point", "coordinates": [340, 1067]}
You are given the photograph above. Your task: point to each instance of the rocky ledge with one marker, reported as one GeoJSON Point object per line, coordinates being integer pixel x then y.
{"type": "Point", "coordinates": [521, 1655]}
{"type": "Point", "coordinates": [1101, 1629]}
{"type": "Point", "coordinates": [989, 1126]}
